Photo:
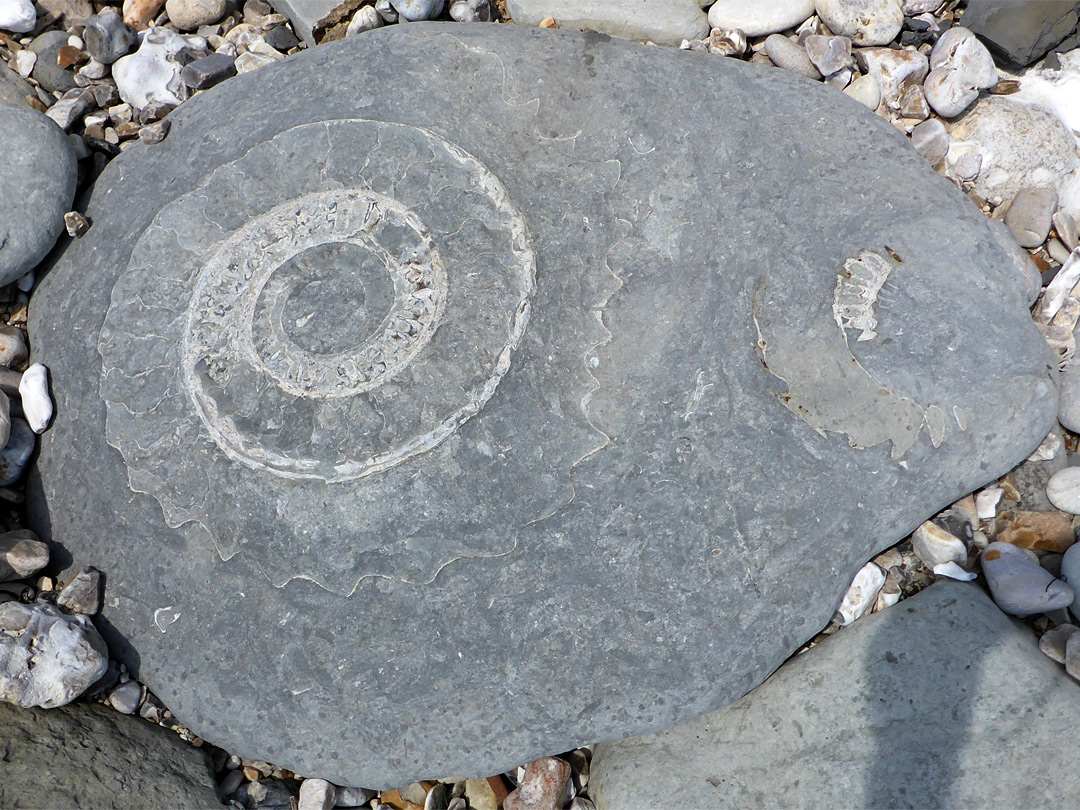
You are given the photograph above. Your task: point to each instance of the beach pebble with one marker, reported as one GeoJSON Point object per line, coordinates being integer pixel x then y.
{"type": "Point", "coordinates": [1042, 531]}
{"type": "Point", "coordinates": [13, 351]}
{"type": "Point", "coordinates": [1070, 574]}
{"type": "Point", "coordinates": [1069, 397]}
{"type": "Point", "coordinates": [47, 659]}
{"type": "Point", "coordinates": [17, 16]}
{"type": "Point", "coordinates": [1029, 216]}
{"type": "Point", "coordinates": [354, 796]}
{"type": "Point", "coordinates": [913, 103]}
{"type": "Point", "coordinates": [69, 111]}
{"type": "Point", "coordinates": [23, 554]}
{"type": "Point", "coordinates": [947, 94]}
{"type": "Point", "coordinates": [892, 69]}
{"type": "Point", "coordinates": [1063, 490]}
{"type": "Point", "coordinates": [47, 71]}
{"type": "Point", "coordinates": [386, 11]}
{"type": "Point", "coordinates": [1052, 643]}
{"type": "Point", "coordinates": [366, 18]}
{"type": "Point", "coordinates": [36, 403]}
{"type": "Point", "coordinates": [967, 166]}
{"type": "Point", "coordinates": [126, 697]}
{"type": "Point", "coordinates": [953, 571]}
{"type": "Point", "coordinates": [829, 54]}
{"type": "Point", "coordinates": [83, 593]}
{"type": "Point", "coordinates": [413, 10]}
{"type": "Point", "coordinates": [542, 786]}
{"type": "Point", "coordinates": [959, 49]}
{"type": "Point", "coordinates": [152, 73]}
{"type": "Point", "coordinates": [986, 502]}
{"type": "Point", "coordinates": [759, 17]}
{"type": "Point", "coordinates": [188, 15]}
{"type": "Point", "coordinates": [208, 71]}
{"type": "Point", "coordinates": [862, 594]}
{"type": "Point", "coordinates": [108, 37]}
{"type": "Point", "coordinates": [934, 546]}
{"type": "Point", "coordinates": [1072, 656]}
{"type": "Point", "coordinates": [865, 91]}
{"type": "Point", "coordinates": [866, 22]}
{"type": "Point", "coordinates": [1019, 585]}
{"type": "Point", "coordinates": [317, 794]}
{"type": "Point", "coordinates": [16, 453]}
{"type": "Point", "coordinates": [789, 55]}
{"type": "Point", "coordinates": [471, 10]}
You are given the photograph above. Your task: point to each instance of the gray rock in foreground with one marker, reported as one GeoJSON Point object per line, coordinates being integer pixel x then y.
{"type": "Point", "coordinates": [37, 182]}
{"type": "Point", "coordinates": [372, 525]}
{"type": "Point", "coordinates": [1021, 31]}
{"type": "Point", "coordinates": [87, 755]}
{"type": "Point", "coordinates": [940, 701]}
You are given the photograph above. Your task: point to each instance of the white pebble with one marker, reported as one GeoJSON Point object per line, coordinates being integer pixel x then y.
{"type": "Point", "coordinates": [25, 61]}
{"type": "Point", "coordinates": [986, 503]}
{"type": "Point", "coordinates": [76, 42]}
{"type": "Point", "coordinates": [36, 403]}
{"type": "Point", "coordinates": [17, 16]}
{"type": "Point", "coordinates": [317, 794]}
{"type": "Point", "coordinates": [365, 19]}
{"type": "Point", "coordinates": [953, 571]}
{"type": "Point", "coordinates": [935, 546]}
{"type": "Point", "coordinates": [1063, 490]}
{"type": "Point", "coordinates": [862, 594]}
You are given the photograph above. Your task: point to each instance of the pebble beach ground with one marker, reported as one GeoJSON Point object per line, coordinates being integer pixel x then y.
{"type": "Point", "coordinates": [1005, 135]}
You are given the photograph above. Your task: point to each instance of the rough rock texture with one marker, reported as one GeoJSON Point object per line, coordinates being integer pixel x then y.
{"type": "Point", "coordinates": [14, 89]}
{"type": "Point", "coordinates": [37, 184]}
{"type": "Point", "coordinates": [1022, 32]}
{"type": "Point", "coordinates": [665, 22]}
{"type": "Point", "coordinates": [87, 755]}
{"type": "Point", "coordinates": [435, 538]}
{"type": "Point", "coordinates": [899, 710]}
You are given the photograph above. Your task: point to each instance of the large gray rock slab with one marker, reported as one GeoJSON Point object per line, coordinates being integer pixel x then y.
{"type": "Point", "coordinates": [37, 184]}
{"type": "Point", "coordinates": [1021, 32]}
{"type": "Point", "coordinates": [939, 701]}
{"type": "Point", "coordinates": [665, 22]}
{"type": "Point", "coordinates": [88, 755]}
{"type": "Point", "coordinates": [422, 427]}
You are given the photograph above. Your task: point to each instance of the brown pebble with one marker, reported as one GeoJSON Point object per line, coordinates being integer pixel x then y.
{"type": "Point", "coordinates": [1006, 87]}
{"type": "Point", "coordinates": [251, 774]}
{"type": "Point", "coordinates": [1041, 531]}
{"type": "Point", "coordinates": [70, 55]}
{"type": "Point", "coordinates": [76, 224]}
{"type": "Point", "coordinates": [548, 22]}
{"type": "Point", "coordinates": [542, 787]}
{"type": "Point", "coordinates": [156, 132]}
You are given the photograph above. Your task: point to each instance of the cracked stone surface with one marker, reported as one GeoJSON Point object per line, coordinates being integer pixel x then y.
{"type": "Point", "coordinates": [432, 430]}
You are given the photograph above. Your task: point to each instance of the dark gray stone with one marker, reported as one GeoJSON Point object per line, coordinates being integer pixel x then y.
{"type": "Point", "coordinates": [304, 14]}
{"type": "Point", "coordinates": [516, 537]}
{"type": "Point", "coordinates": [1021, 32]}
{"type": "Point", "coordinates": [939, 701]}
{"type": "Point", "coordinates": [281, 38]}
{"type": "Point", "coordinates": [37, 184]}
{"type": "Point", "coordinates": [88, 755]}
{"type": "Point", "coordinates": [108, 37]}
{"type": "Point", "coordinates": [14, 89]}
{"type": "Point", "coordinates": [208, 71]}
{"type": "Point", "coordinates": [47, 71]}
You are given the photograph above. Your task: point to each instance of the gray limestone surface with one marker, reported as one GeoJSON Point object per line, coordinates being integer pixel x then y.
{"type": "Point", "coordinates": [87, 755]}
{"type": "Point", "coordinates": [37, 184]}
{"type": "Point", "coordinates": [1020, 30]}
{"type": "Point", "coordinates": [523, 408]}
{"type": "Point", "coordinates": [921, 705]}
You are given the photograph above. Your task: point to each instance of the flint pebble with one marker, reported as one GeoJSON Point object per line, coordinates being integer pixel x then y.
{"type": "Point", "coordinates": [1029, 216]}
{"type": "Point", "coordinates": [317, 794]}
{"type": "Point", "coordinates": [23, 554]}
{"type": "Point", "coordinates": [208, 71]}
{"type": "Point", "coordinates": [354, 796]}
{"type": "Point", "coordinates": [471, 10]}
{"type": "Point", "coordinates": [759, 17]}
{"type": "Point", "coordinates": [152, 73]}
{"type": "Point", "coordinates": [790, 55]}
{"type": "Point", "coordinates": [188, 15]}
{"type": "Point", "coordinates": [1070, 574]}
{"type": "Point", "coordinates": [36, 403]}
{"type": "Point", "coordinates": [17, 16]}
{"type": "Point", "coordinates": [47, 71]}
{"type": "Point", "coordinates": [16, 453]}
{"type": "Point", "coordinates": [862, 594]}
{"type": "Point", "coordinates": [865, 90]}
{"type": "Point", "coordinates": [386, 11]}
{"type": "Point", "coordinates": [930, 140]}
{"type": "Point", "coordinates": [1052, 643]}
{"type": "Point", "coordinates": [1063, 490]}
{"type": "Point", "coordinates": [960, 50]}
{"type": "Point", "coordinates": [892, 69]}
{"type": "Point", "coordinates": [935, 546]}
{"type": "Point", "coordinates": [829, 54]}
{"type": "Point", "coordinates": [866, 22]}
{"type": "Point", "coordinates": [47, 659]}
{"type": "Point", "coordinates": [366, 18]}
{"type": "Point", "coordinates": [126, 697]}
{"type": "Point", "coordinates": [953, 571]}
{"type": "Point", "coordinates": [83, 593]}
{"type": "Point", "coordinates": [542, 786]}
{"type": "Point", "coordinates": [1019, 585]}
{"type": "Point", "coordinates": [413, 10]}
{"type": "Point", "coordinates": [108, 37]}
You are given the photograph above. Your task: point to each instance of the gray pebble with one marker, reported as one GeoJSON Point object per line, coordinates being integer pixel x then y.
{"type": "Point", "coordinates": [386, 11]}
{"type": "Point", "coordinates": [829, 54]}
{"type": "Point", "coordinates": [471, 10]}
{"type": "Point", "coordinates": [354, 796]}
{"type": "Point", "coordinates": [790, 56]}
{"type": "Point", "coordinates": [23, 554]}
{"type": "Point", "coordinates": [208, 71]}
{"type": "Point", "coordinates": [1029, 216]}
{"type": "Point", "coordinates": [413, 10]}
{"type": "Point", "coordinates": [946, 92]}
{"type": "Point", "coordinates": [126, 697]}
{"type": "Point", "coordinates": [1052, 643]}
{"type": "Point", "coordinates": [1072, 656]}
{"type": "Point", "coordinates": [229, 785]}
{"type": "Point", "coordinates": [83, 593]}
{"type": "Point", "coordinates": [47, 72]}
{"type": "Point", "coordinates": [282, 39]}
{"type": "Point", "coordinates": [968, 166]}
{"type": "Point", "coordinates": [107, 37]}
{"type": "Point", "coordinates": [13, 351]}
{"type": "Point", "coordinates": [867, 22]}
{"type": "Point", "coordinates": [16, 453]}
{"type": "Point", "coordinates": [1020, 585]}
{"type": "Point", "coordinates": [930, 140]}
{"type": "Point", "coordinates": [1070, 574]}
